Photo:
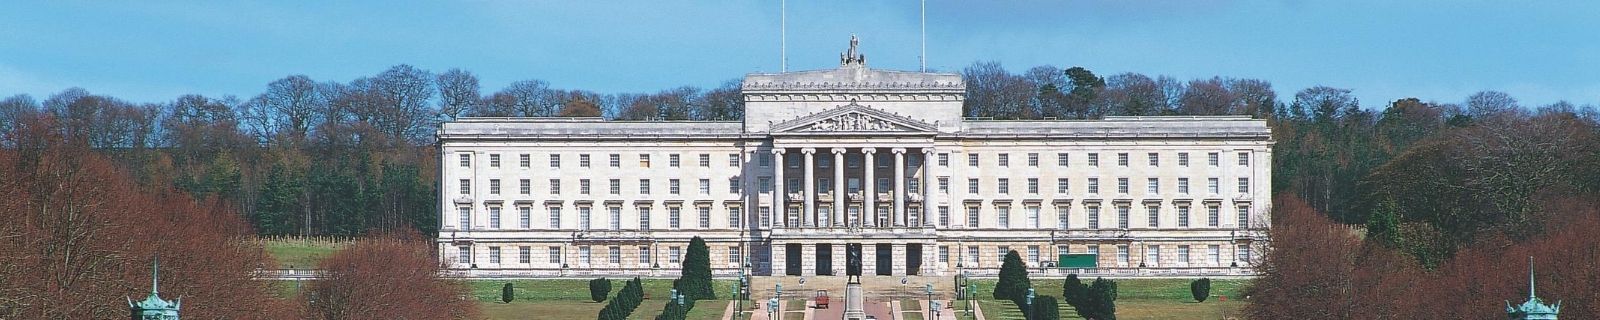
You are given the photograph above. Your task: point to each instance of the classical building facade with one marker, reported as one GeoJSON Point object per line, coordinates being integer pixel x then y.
{"type": "Point", "coordinates": [854, 158]}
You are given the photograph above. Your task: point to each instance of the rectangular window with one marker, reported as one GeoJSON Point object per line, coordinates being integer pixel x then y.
{"type": "Point", "coordinates": [1062, 160]}
{"type": "Point", "coordinates": [1004, 186]}
{"type": "Point", "coordinates": [1094, 185]}
{"type": "Point", "coordinates": [1213, 158]}
{"type": "Point", "coordinates": [1004, 213]}
{"type": "Point", "coordinates": [614, 255]}
{"type": "Point", "coordinates": [765, 159]}
{"type": "Point", "coordinates": [615, 160]}
{"type": "Point", "coordinates": [1062, 213]}
{"type": "Point", "coordinates": [1094, 217]}
{"type": "Point", "coordinates": [1033, 159]}
{"type": "Point", "coordinates": [465, 217]}
{"type": "Point", "coordinates": [1033, 185]}
{"type": "Point", "coordinates": [464, 254]}
{"type": "Point", "coordinates": [525, 255]}
{"type": "Point", "coordinates": [1243, 216]}
{"type": "Point", "coordinates": [1004, 158]}
{"type": "Point", "coordinates": [616, 217]}
{"type": "Point", "coordinates": [1062, 186]}
{"type": "Point", "coordinates": [583, 160]}
{"type": "Point", "coordinates": [972, 217]}
{"type": "Point", "coordinates": [765, 214]}
{"type": "Point", "coordinates": [1241, 253]}
{"type": "Point", "coordinates": [584, 256]}
{"type": "Point", "coordinates": [1033, 216]}
{"type": "Point", "coordinates": [1244, 185]}
{"type": "Point", "coordinates": [494, 255]}
{"type": "Point", "coordinates": [494, 186]}
{"type": "Point", "coordinates": [1244, 159]}
{"type": "Point", "coordinates": [734, 160]}
{"type": "Point", "coordinates": [705, 160]}
{"type": "Point", "coordinates": [736, 217]}
{"type": "Point", "coordinates": [1122, 216]}
{"type": "Point", "coordinates": [944, 159]}
{"type": "Point", "coordinates": [944, 254]}
{"type": "Point", "coordinates": [972, 185]}
{"type": "Point", "coordinates": [555, 217]}
{"type": "Point", "coordinates": [1183, 159]}
{"type": "Point", "coordinates": [525, 217]}
{"type": "Point", "coordinates": [1211, 185]}
{"type": "Point", "coordinates": [583, 186]}
{"type": "Point", "coordinates": [553, 255]}
{"type": "Point", "coordinates": [705, 186]}
{"type": "Point", "coordinates": [555, 186]}
{"type": "Point", "coordinates": [1152, 186]}
{"type": "Point", "coordinates": [525, 186]}
{"type": "Point", "coordinates": [944, 216]}
{"type": "Point", "coordinates": [494, 160]}
{"type": "Point", "coordinates": [1152, 255]}
{"type": "Point", "coordinates": [584, 218]}
{"type": "Point", "coordinates": [466, 160]}
{"type": "Point", "coordinates": [1094, 249]}
{"type": "Point", "coordinates": [1153, 212]}
{"type": "Point", "coordinates": [1122, 159]}
{"type": "Point", "coordinates": [1000, 253]}
{"type": "Point", "coordinates": [1122, 254]}
{"type": "Point", "coordinates": [1183, 216]}
{"type": "Point", "coordinates": [1094, 159]}
{"type": "Point", "coordinates": [972, 159]}
{"type": "Point", "coordinates": [1183, 185]}
{"type": "Point", "coordinates": [944, 185]}
{"type": "Point", "coordinates": [1214, 254]}
{"type": "Point", "coordinates": [555, 160]}
{"type": "Point", "coordinates": [614, 186]}
{"type": "Point", "coordinates": [734, 256]}
{"type": "Point", "coordinates": [972, 255]}
{"type": "Point", "coordinates": [1033, 254]}
{"type": "Point", "coordinates": [765, 183]}
{"type": "Point", "coordinates": [644, 255]}
{"type": "Point", "coordinates": [525, 160]}
{"type": "Point", "coordinates": [1122, 185]}
{"type": "Point", "coordinates": [673, 186]}
{"type": "Point", "coordinates": [1183, 255]}
{"type": "Point", "coordinates": [644, 186]}
{"type": "Point", "coordinates": [673, 160]}
{"type": "Point", "coordinates": [734, 185]}
{"type": "Point", "coordinates": [1155, 159]}
{"type": "Point", "coordinates": [1213, 216]}
{"type": "Point", "coordinates": [466, 186]}
{"type": "Point", "coordinates": [644, 218]}
{"type": "Point", "coordinates": [674, 255]}
{"type": "Point", "coordinates": [675, 217]}
{"type": "Point", "coordinates": [644, 160]}
{"type": "Point", "coordinates": [494, 217]}
{"type": "Point", "coordinates": [705, 217]}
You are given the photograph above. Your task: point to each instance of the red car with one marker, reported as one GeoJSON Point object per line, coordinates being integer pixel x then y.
{"type": "Point", "coordinates": [822, 299]}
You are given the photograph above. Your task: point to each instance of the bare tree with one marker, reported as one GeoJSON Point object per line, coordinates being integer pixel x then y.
{"type": "Point", "coordinates": [1486, 104]}
{"type": "Point", "coordinates": [1134, 94]}
{"type": "Point", "coordinates": [458, 93]}
{"type": "Point", "coordinates": [360, 281]}
{"type": "Point", "coordinates": [289, 107]}
{"type": "Point", "coordinates": [1207, 97]}
{"type": "Point", "coordinates": [724, 102]}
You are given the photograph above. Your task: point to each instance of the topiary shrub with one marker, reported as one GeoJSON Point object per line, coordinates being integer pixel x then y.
{"type": "Point", "coordinates": [1200, 289]}
{"type": "Point", "coordinates": [1013, 283]}
{"type": "Point", "coordinates": [1046, 308]}
{"type": "Point", "coordinates": [599, 288]}
{"type": "Point", "coordinates": [506, 293]}
{"type": "Point", "coordinates": [696, 278]}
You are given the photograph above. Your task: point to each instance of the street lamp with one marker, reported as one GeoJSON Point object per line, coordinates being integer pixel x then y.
{"type": "Point", "coordinates": [772, 308]}
{"type": "Point", "coordinates": [935, 307]}
{"type": "Point", "coordinates": [928, 288]}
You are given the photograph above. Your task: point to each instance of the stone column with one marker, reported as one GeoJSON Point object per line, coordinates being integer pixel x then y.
{"type": "Point", "coordinates": [780, 211]}
{"type": "Point", "coordinates": [927, 188]}
{"type": "Point", "coordinates": [808, 214]}
{"type": "Point", "coordinates": [838, 188]}
{"type": "Point", "coordinates": [899, 210]}
{"type": "Point", "coordinates": [869, 187]}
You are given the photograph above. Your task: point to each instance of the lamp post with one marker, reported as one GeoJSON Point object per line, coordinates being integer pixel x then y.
{"type": "Point", "coordinates": [778, 295]}
{"type": "Point", "coordinates": [1028, 313]}
{"type": "Point", "coordinates": [935, 306]}
{"type": "Point", "coordinates": [772, 308]}
{"type": "Point", "coordinates": [928, 288]}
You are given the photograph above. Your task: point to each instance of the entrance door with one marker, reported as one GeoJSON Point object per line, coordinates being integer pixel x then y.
{"type": "Point", "coordinates": [791, 259]}
{"type": "Point", "coordinates": [852, 258]}
{"type": "Point", "coordinates": [824, 259]}
{"type": "Point", "coordinates": [885, 259]}
{"type": "Point", "coordinates": [913, 258]}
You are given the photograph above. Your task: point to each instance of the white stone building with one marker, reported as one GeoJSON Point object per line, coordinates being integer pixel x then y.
{"type": "Point", "coordinates": [872, 160]}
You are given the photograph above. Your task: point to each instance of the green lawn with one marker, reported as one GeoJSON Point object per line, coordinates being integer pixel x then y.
{"type": "Point", "coordinates": [300, 253]}
{"type": "Point", "coordinates": [703, 310]}
{"type": "Point", "coordinates": [1136, 299]}
{"type": "Point", "coordinates": [577, 289]}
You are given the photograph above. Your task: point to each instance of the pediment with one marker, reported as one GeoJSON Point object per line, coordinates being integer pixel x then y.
{"type": "Point", "coordinates": [853, 118]}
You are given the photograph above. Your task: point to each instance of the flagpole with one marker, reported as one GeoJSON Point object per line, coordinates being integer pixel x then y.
{"type": "Point", "coordinates": [924, 56]}
{"type": "Point", "coordinates": [783, 36]}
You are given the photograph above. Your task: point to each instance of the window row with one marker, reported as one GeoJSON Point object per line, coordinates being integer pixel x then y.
{"type": "Point", "coordinates": [554, 255]}
{"type": "Point", "coordinates": [1154, 256]}
{"type": "Point", "coordinates": [1092, 159]}
{"type": "Point", "coordinates": [1091, 185]}
{"type": "Point", "coordinates": [1119, 217]}
{"type": "Point", "coordinates": [613, 219]}
{"type": "Point", "coordinates": [612, 186]}
{"type": "Point", "coordinates": [613, 160]}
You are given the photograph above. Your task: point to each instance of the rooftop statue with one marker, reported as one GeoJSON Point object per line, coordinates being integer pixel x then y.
{"type": "Point", "coordinates": [851, 56]}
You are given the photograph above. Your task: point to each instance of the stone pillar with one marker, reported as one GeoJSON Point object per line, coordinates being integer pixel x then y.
{"type": "Point", "coordinates": [838, 188]}
{"type": "Point", "coordinates": [927, 188]}
{"type": "Point", "coordinates": [780, 210]}
{"type": "Point", "coordinates": [899, 210]}
{"type": "Point", "coordinates": [808, 214]}
{"type": "Point", "coordinates": [869, 186]}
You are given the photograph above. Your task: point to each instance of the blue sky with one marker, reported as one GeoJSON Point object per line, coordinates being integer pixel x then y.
{"type": "Point", "coordinates": [1538, 51]}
